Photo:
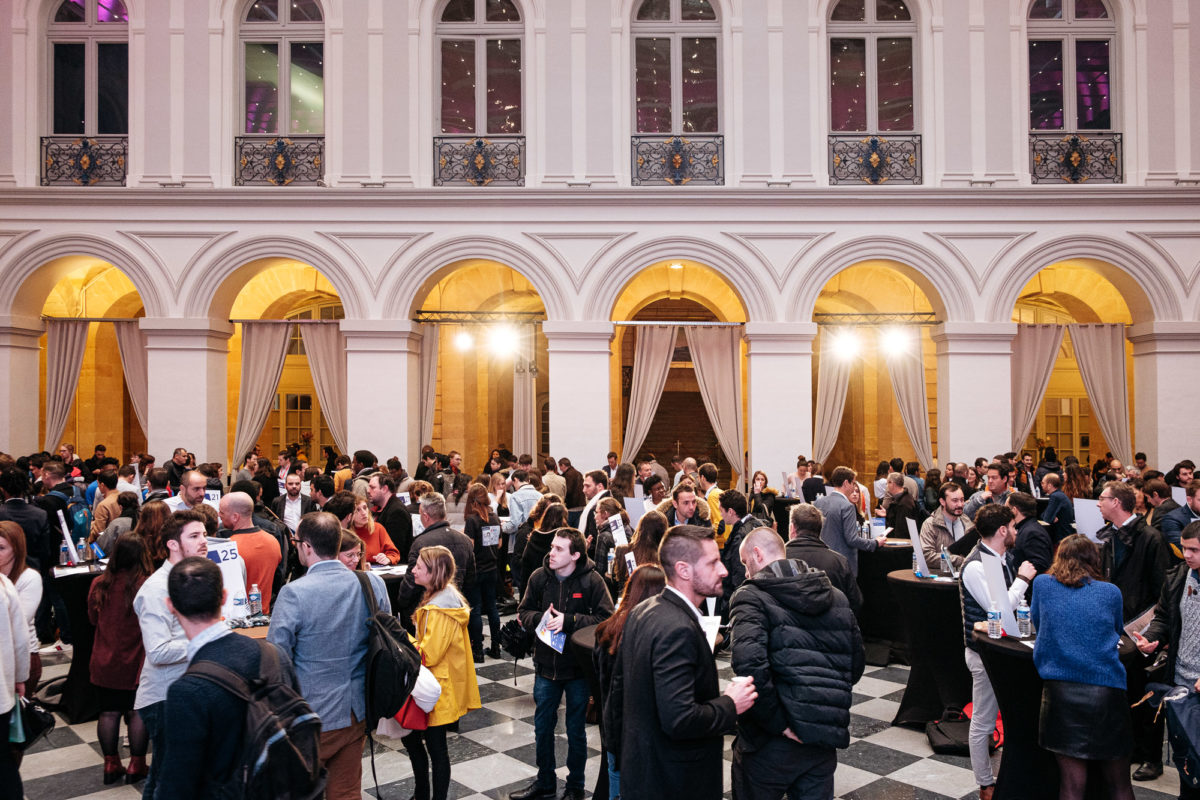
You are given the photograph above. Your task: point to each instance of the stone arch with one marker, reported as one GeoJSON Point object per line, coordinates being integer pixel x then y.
{"type": "Point", "coordinates": [946, 293]}
{"type": "Point", "coordinates": [1134, 272]}
{"type": "Point", "coordinates": [435, 263]}
{"type": "Point", "coordinates": [221, 278]}
{"type": "Point", "coordinates": [918, 9]}
{"type": "Point", "coordinates": [625, 10]}
{"type": "Point", "coordinates": [533, 12]}
{"type": "Point", "coordinates": [616, 275]}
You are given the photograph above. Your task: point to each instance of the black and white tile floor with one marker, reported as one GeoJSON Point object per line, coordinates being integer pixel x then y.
{"type": "Point", "coordinates": [493, 752]}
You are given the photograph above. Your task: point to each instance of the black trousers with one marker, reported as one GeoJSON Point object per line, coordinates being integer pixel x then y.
{"type": "Point", "coordinates": [783, 767]}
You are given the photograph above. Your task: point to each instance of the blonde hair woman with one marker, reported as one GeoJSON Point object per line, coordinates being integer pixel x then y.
{"type": "Point", "coordinates": [441, 623]}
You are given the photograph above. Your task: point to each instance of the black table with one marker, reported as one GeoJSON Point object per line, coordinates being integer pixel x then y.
{"type": "Point", "coordinates": [931, 618]}
{"type": "Point", "coordinates": [880, 619]}
{"type": "Point", "coordinates": [78, 702]}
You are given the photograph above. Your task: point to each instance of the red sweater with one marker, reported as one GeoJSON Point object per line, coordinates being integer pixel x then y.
{"type": "Point", "coordinates": [377, 541]}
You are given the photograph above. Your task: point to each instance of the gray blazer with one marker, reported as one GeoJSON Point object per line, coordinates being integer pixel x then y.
{"type": "Point", "coordinates": [840, 530]}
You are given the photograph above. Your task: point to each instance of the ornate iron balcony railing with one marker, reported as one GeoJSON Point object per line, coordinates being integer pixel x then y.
{"type": "Point", "coordinates": [874, 159]}
{"type": "Point", "coordinates": [1075, 157]}
{"type": "Point", "coordinates": [278, 160]}
{"type": "Point", "coordinates": [84, 160]}
{"type": "Point", "coordinates": [479, 160]}
{"type": "Point", "coordinates": [679, 160]}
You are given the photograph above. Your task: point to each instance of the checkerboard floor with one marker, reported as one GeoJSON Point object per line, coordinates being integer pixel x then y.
{"type": "Point", "coordinates": [493, 753]}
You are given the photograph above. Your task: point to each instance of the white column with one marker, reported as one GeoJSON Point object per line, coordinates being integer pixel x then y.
{"type": "Point", "coordinates": [974, 394]}
{"type": "Point", "coordinates": [1166, 383]}
{"type": "Point", "coordinates": [19, 399]}
{"type": "Point", "coordinates": [187, 401]}
{"type": "Point", "coordinates": [779, 361]}
{"type": "Point", "coordinates": [580, 409]}
{"type": "Point", "coordinates": [383, 382]}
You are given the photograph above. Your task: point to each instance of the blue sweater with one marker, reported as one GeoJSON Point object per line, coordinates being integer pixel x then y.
{"type": "Point", "coordinates": [1077, 632]}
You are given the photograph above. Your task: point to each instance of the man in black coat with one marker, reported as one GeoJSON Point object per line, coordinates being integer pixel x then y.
{"type": "Point", "coordinates": [436, 531]}
{"type": "Point", "coordinates": [665, 680]}
{"type": "Point", "coordinates": [574, 478]}
{"type": "Point", "coordinates": [739, 522]}
{"type": "Point", "coordinates": [390, 512]}
{"type": "Point", "coordinates": [805, 544]}
{"type": "Point", "coordinates": [900, 506]}
{"type": "Point", "coordinates": [1033, 540]}
{"type": "Point", "coordinates": [40, 545]}
{"type": "Point", "coordinates": [787, 741]}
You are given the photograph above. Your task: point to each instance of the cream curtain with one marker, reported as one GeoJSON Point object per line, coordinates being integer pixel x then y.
{"type": "Point", "coordinates": [833, 379]}
{"type": "Point", "coordinates": [1034, 350]}
{"type": "Point", "coordinates": [326, 349]}
{"type": "Point", "coordinates": [1100, 353]}
{"type": "Point", "coordinates": [131, 343]}
{"type": "Point", "coordinates": [264, 346]}
{"type": "Point", "coordinates": [651, 363]}
{"type": "Point", "coordinates": [907, 371]}
{"type": "Point", "coordinates": [524, 438]}
{"type": "Point", "coordinates": [428, 389]}
{"type": "Point", "coordinates": [716, 355]}
{"type": "Point", "coordinates": [65, 342]}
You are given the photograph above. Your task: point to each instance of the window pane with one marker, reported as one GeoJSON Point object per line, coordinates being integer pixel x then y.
{"type": "Point", "coordinates": [504, 86]}
{"type": "Point", "coordinates": [699, 79]}
{"type": "Point", "coordinates": [263, 11]}
{"type": "Point", "coordinates": [696, 10]}
{"type": "Point", "coordinates": [1090, 9]}
{"type": "Point", "coordinates": [112, 84]}
{"type": "Point", "coordinates": [111, 11]}
{"type": "Point", "coordinates": [891, 11]}
{"type": "Point", "coordinates": [306, 82]}
{"type": "Point", "coordinates": [458, 86]}
{"type": "Point", "coordinates": [262, 87]}
{"type": "Point", "coordinates": [1045, 86]}
{"type": "Point", "coordinates": [68, 88]}
{"type": "Point", "coordinates": [848, 84]}
{"type": "Point", "coordinates": [501, 11]}
{"type": "Point", "coordinates": [70, 11]}
{"type": "Point", "coordinates": [305, 11]}
{"type": "Point", "coordinates": [459, 11]}
{"type": "Point", "coordinates": [850, 11]}
{"type": "Point", "coordinates": [1046, 9]}
{"type": "Point", "coordinates": [895, 78]}
{"type": "Point", "coordinates": [655, 9]}
{"type": "Point", "coordinates": [1092, 88]}
{"type": "Point", "coordinates": [652, 84]}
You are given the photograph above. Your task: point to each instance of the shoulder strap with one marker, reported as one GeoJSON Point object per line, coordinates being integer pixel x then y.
{"type": "Point", "coordinates": [235, 683]}
{"type": "Point", "coordinates": [368, 593]}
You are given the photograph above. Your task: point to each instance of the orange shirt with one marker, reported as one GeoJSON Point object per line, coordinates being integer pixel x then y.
{"type": "Point", "coordinates": [377, 541]}
{"type": "Point", "coordinates": [260, 551]}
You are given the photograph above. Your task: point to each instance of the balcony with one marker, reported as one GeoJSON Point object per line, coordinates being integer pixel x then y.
{"type": "Point", "coordinates": [679, 160]}
{"type": "Point", "coordinates": [1075, 158]}
{"type": "Point", "coordinates": [84, 160]}
{"type": "Point", "coordinates": [278, 160]}
{"type": "Point", "coordinates": [875, 160]}
{"type": "Point", "coordinates": [479, 161]}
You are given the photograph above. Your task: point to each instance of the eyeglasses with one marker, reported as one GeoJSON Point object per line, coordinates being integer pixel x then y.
{"type": "Point", "coordinates": [1105, 497]}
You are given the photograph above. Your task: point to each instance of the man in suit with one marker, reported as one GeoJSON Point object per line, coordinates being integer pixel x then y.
{"type": "Point", "coordinates": [292, 505]}
{"type": "Point", "coordinates": [390, 512]}
{"type": "Point", "coordinates": [665, 680]}
{"type": "Point", "coordinates": [595, 488]}
{"type": "Point", "coordinates": [1159, 501]}
{"type": "Point", "coordinates": [435, 530]}
{"type": "Point", "coordinates": [40, 546]}
{"type": "Point", "coordinates": [683, 506]}
{"type": "Point", "coordinates": [1172, 523]}
{"type": "Point", "coordinates": [841, 531]}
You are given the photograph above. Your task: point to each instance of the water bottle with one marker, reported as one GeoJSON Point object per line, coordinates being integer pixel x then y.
{"type": "Point", "coordinates": [993, 620]}
{"type": "Point", "coordinates": [1024, 623]}
{"type": "Point", "coordinates": [945, 565]}
{"type": "Point", "coordinates": [612, 557]}
{"type": "Point", "coordinates": [916, 569]}
{"type": "Point", "coordinates": [83, 550]}
{"type": "Point", "coordinates": [63, 557]}
{"type": "Point", "coordinates": [255, 598]}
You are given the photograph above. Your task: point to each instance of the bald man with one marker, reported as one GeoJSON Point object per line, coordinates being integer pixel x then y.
{"type": "Point", "coordinates": [257, 548]}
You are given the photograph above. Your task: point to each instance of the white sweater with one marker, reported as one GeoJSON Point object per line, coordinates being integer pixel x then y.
{"type": "Point", "coordinates": [14, 644]}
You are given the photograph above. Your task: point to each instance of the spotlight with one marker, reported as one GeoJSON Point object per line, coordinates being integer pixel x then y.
{"type": "Point", "coordinates": [502, 340]}
{"type": "Point", "coordinates": [463, 341]}
{"type": "Point", "coordinates": [896, 340]}
{"type": "Point", "coordinates": [847, 344]}
{"type": "Point", "coordinates": [677, 265]}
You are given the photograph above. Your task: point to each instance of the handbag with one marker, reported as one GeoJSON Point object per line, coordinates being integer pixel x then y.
{"type": "Point", "coordinates": [29, 722]}
{"type": "Point", "coordinates": [412, 716]}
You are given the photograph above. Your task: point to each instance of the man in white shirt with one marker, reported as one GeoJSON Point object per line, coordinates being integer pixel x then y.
{"type": "Point", "coordinates": [292, 505]}
{"type": "Point", "coordinates": [191, 492]}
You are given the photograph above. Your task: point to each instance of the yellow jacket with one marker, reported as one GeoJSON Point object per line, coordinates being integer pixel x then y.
{"type": "Point", "coordinates": [443, 639]}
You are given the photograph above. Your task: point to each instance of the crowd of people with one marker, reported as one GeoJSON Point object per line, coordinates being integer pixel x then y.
{"type": "Point", "coordinates": [667, 565]}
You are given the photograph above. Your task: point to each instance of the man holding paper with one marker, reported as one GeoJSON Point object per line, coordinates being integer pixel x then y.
{"type": "Point", "coordinates": [996, 536]}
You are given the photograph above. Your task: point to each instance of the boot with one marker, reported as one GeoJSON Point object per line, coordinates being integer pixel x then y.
{"type": "Point", "coordinates": [137, 769]}
{"type": "Point", "coordinates": [113, 769]}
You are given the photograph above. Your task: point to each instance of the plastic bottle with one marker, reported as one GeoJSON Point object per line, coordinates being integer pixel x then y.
{"type": "Point", "coordinates": [612, 557]}
{"type": "Point", "coordinates": [83, 550]}
{"type": "Point", "coordinates": [63, 557]}
{"type": "Point", "coordinates": [916, 569]}
{"type": "Point", "coordinates": [1024, 623]}
{"type": "Point", "coordinates": [945, 565]}
{"type": "Point", "coordinates": [255, 600]}
{"type": "Point", "coordinates": [993, 621]}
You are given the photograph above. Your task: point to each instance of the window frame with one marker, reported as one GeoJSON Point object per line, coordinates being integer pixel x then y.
{"type": "Point", "coordinates": [1068, 31]}
{"type": "Point", "coordinates": [91, 33]}
{"type": "Point", "coordinates": [676, 29]}
{"type": "Point", "coordinates": [480, 31]}
{"type": "Point", "coordinates": [871, 31]}
{"type": "Point", "coordinates": [283, 33]}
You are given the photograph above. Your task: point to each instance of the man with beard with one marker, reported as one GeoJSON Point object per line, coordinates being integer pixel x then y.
{"type": "Point", "coordinates": [945, 526]}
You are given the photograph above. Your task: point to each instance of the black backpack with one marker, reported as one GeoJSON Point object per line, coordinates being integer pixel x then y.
{"type": "Point", "coordinates": [393, 661]}
{"type": "Point", "coordinates": [282, 733]}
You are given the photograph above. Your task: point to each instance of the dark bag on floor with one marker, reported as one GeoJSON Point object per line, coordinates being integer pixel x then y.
{"type": "Point", "coordinates": [393, 661]}
{"type": "Point", "coordinates": [514, 639]}
{"type": "Point", "coordinates": [949, 737]}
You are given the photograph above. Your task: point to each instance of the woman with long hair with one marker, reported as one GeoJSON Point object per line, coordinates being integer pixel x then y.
{"type": "Point", "coordinates": [933, 483]}
{"type": "Point", "coordinates": [538, 546]}
{"type": "Point", "coordinates": [498, 493]}
{"type": "Point", "coordinates": [1085, 715]}
{"type": "Point", "coordinates": [117, 655]}
{"type": "Point", "coordinates": [521, 538]}
{"type": "Point", "coordinates": [150, 521]}
{"type": "Point", "coordinates": [621, 485]}
{"type": "Point", "coordinates": [1078, 483]}
{"type": "Point", "coordinates": [377, 545]}
{"type": "Point", "coordinates": [442, 637]}
{"type": "Point", "coordinates": [646, 581]}
{"type": "Point", "coordinates": [605, 543]}
{"type": "Point", "coordinates": [28, 583]}
{"type": "Point", "coordinates": [494, 463]}
{"type": "Point", "coordinates": [762, 497]}
{"type": "Point", "coordinates": [644, 545]}
{"type": "Point", "coordinates": [481, 524]}
{"type": "Point", "coordinates": [352, 552]}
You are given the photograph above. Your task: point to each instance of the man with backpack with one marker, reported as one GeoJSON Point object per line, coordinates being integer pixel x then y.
{"type": "Point", "coordinates": [320, 622]}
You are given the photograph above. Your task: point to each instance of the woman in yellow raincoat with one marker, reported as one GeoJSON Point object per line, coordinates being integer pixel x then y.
{"type": "Point", "coordinates": [441, 623]}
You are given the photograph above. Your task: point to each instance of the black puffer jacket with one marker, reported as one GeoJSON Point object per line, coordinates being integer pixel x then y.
{"type": "Point", "coordinates": [797, 637]}
{"type": "Point", "coordinates": [582, 598]}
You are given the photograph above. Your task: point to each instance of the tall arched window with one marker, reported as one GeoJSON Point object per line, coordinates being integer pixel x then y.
{"type": "Point", "coordinates": [89, 79]}
{"type": "Point", "coordinates": [479, 67]}
{"type": "Point", "coordinates": [872, 93]}
{"type": "Point", "coordinates": [1071, 57]}
{"type": "Point", "coordinates": [282, 54]}
{"type": "Point", "coordinates": [676, 92]}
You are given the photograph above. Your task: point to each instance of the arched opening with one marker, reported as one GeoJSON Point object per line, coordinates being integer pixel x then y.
{"type": "Point", "coordinates": [492, 365]}
{"type": "Point", "coordinates": [682, 291]}
{"type": "Point", "coordinates": [867, 313]}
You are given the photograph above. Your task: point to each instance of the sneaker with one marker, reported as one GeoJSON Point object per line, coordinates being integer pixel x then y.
{"type": "Point", "coordinates": [58, 648]}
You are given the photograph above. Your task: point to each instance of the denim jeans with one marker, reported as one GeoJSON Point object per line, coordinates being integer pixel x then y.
{"type": "Point", "coordinates": [547, 694]}
{"type": "Point", "coordinates": [153, 717]}
{"type": "Point", "coordinates": [614, 778]}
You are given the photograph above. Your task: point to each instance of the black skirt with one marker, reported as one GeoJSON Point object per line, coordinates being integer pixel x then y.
{"type": "Point", "coordinates": [1084, 721]}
